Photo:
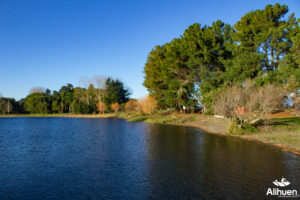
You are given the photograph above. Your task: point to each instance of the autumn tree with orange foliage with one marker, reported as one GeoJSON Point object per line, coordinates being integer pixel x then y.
{"type": "Point", "coordinates": [132, 106]}
{"type": "Point", "coordinates": [101, 107]}
{"type": "Point", "coordinates": [148, 104]}
{"type": "Point", "coordinates": [115, 107]}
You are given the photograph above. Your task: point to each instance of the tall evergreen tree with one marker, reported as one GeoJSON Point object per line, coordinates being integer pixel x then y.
{"type": "Point", "coordinates": [115, 92]}
{"type": "Point", "coordinates": [262, 39]}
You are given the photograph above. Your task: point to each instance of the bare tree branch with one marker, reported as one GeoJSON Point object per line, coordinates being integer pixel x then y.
{"type": "Point", "coordinates": [37, 90]}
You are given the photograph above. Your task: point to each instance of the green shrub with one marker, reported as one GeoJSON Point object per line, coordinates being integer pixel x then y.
{"type": "Point", "coordinates": [165, 111]}
{"type": "Point", "coordinates": [233, 128]}
{"type": "Point", "coordinates": [249, 129]}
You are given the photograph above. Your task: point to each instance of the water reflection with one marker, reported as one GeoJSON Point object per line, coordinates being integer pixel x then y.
{"type": "Point", "coordinates": [62, 158]}
{"type": "Point", "coordinates": [187, 164]}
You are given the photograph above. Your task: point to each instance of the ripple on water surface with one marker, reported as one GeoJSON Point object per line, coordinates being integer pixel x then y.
{"type": "Point", "coordinates": [69, 158]}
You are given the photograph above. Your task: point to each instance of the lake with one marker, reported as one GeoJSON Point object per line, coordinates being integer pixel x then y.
{"type": "Point", "coordinates": [72, 158]}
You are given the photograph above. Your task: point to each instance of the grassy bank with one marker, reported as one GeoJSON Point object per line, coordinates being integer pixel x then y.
{"type": "Point", "coordinates": [281, 132]}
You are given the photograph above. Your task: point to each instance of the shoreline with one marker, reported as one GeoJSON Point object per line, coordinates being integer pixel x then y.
{"type": "Point", "coordinates": [61, 115]}
{"type": "Point", "coordinates": [249, 137]}
{"type": "Point", "coordinates": [206, 123]}
{"type": "Point", "coordinates": [246, 137]}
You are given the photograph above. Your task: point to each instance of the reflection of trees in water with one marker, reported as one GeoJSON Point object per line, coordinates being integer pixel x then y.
{"type": "Point", "coordinates": [187, 162]}
{"type": "Point", "coordinates": [174, 160]}
{"type": "Point", "coordinates": [238, 165]}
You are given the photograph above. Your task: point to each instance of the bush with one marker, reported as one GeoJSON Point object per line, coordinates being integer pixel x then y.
{"type": "Point", "coordinates": [115, 107]}
{"type": "Point", "coordinates": [148, 104]}
{"type": "Point", "coordinates": [166, 111]}
{"type": "Point", "coordinates": [132, 106]}
{"type": "Point", "coordinates": [233, 128]}
{"type": "Point", "coordinates": [101, 107]}
{"type": "Point", "coordinates": [249, 102]}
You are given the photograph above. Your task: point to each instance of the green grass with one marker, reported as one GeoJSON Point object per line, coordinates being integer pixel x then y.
{"type": "Point", "coordinates": [289, 124]}
{"type": "Point", "coordinates": [157, 118]}
{"type": "Point", "coordinates": [286, 121]}
{"type": "Point", "coordinates": [284, 132]}
{"type": "Point", "coordinates": [164, 119]}
{"type": "Point", "coordinates": [122, 115]}
{"type": "Point", "coordinates": [287, 139]}
{"type": "Point", "coordinates": [138, 119]}
{"type": "Point", "coordinates": [192, 119]}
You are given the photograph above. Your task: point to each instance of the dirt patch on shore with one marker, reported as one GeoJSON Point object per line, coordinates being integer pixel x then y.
{"type": "Point", "coordinates": [210, 124]}
{"type": "Point", "coordinates": [285, 114]}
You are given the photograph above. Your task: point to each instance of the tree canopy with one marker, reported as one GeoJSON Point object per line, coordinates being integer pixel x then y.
{"type": "Point", "coordinates": [69, 99]}
{"type": "Point", "coordinates": [193, 68]}
{"type": "Point", "coordinates": [115, 92]}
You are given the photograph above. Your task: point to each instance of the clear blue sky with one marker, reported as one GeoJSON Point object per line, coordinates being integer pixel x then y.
{"type": "Point", "coordinates": [50, 43]}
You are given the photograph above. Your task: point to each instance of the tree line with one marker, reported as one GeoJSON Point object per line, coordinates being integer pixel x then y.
{"type": "Point", "coordinates": [241, 71]}
{"type": "Point", "coordinates": [196, 69]}
{"type": "Point", "coordinates": [70, 99]}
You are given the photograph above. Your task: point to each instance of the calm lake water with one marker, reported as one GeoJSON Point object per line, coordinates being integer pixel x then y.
{"type": "Point", "coordinates": [67, 158]}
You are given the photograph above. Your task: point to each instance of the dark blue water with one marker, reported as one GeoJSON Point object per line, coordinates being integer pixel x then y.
{"type": "Point", "coordinates": [65, 158]}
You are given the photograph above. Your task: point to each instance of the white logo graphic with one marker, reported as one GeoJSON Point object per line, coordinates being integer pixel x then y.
{"type": "Point", "coordinates": [282, 192]}
{"type": "Point", "coordinates": [282, 183]}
